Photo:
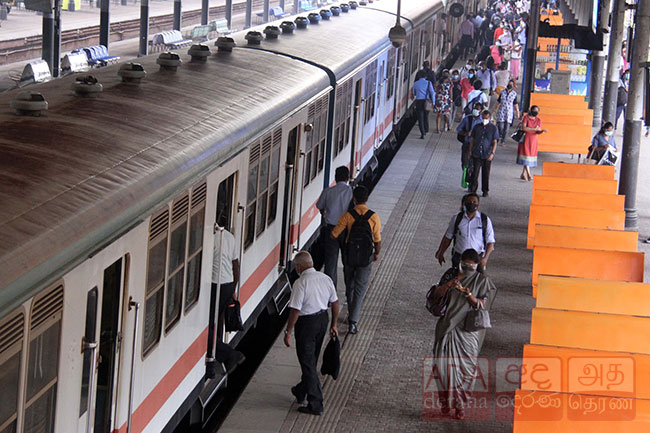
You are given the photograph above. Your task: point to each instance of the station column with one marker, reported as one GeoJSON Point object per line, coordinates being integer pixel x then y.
{"type": "Point", "coordinates": [178, 8]}
{"type": "Point", "coordinates": [632, 132]}
{"type": "Point", "coordinates": [205, 11]}
{"type": "Point", "coordinates": [229, 13]}
{"type": "Point", "coordinates": [249, 13]}
{"type": "Point", "coordinates": [531, 54]}
{"type": "Point", "coordinates": [144, 27]}
{"type": "Point", "coordinates": [614, 61]}
{"type": "Point", "coordinates": [598, 65]}
{"type": "Point", "coordinates": [104, 22]}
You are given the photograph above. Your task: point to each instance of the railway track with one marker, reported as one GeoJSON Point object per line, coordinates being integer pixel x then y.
{"type": "Point", "coordinates": [19, 49]}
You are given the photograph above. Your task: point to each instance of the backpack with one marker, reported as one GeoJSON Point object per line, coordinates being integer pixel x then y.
{"type": "Point", "coordinates": [361, 242]}
{"type": "Point", "coordinates": [621, 96]}
{"type": "Point", "coordinates": [484, 223]}
{"type": "Point", "coordinates": [470, 105]}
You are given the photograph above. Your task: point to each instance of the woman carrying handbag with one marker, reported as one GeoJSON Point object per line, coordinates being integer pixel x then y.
{"type": "Point", "coordinates": [531, 124]}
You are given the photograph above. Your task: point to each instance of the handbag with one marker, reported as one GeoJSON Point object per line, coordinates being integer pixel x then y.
{"type": "Point", "coordinates": [428, 105]}
{"type": "Point", "coordinates": [519, 135]}
{"type": "Point", "coordinates": [232, 317]}
{"type": "Point", "coordinates": [332, 359]}
{"type": "Point", "coordinates": [477, 319]}
{"type": "Point", "coordinates": [437, 306]}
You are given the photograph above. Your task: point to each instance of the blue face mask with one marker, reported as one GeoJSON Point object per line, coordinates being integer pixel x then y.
{"type": "Point", "coordinates": [470, 75]}
{"type": "Point", "coordinates": [609, 133]}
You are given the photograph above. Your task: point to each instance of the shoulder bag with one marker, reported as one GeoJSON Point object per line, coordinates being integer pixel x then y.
{"type": "Point", "coordinates": [437, 305]}
{"type": "Point", "coordinates": [519, 135]}
{"type": "Point", "coordinates": [232, 317]}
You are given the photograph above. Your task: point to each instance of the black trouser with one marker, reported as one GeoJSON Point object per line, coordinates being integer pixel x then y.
{"type": "Point", "coordinates": [464, 155]}
{"type": "Point", "coordinates": [423, 116]}
{"type": "Point", "coordinates": [310, 332]}
{"type": "Point", "coordinates": [465, 45]}
{"type": "Point", "coordinates": [483, 166]}
{"type": "Point", "coordinates": [223, 351]}
{"type": "Point", "coordinates": [331, 249]}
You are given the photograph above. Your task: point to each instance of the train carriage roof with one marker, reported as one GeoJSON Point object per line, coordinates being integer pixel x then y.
{"type": "Point", "coordinates": [90, 167]}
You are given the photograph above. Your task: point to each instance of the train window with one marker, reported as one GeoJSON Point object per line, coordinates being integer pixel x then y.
{"type": "Point", "coordinates": [176, 260]}
{"type": "Point", "coordinates": [390, 73]}
{"type": "Point", "coordinates": [249, 229]}
{"type": "Point", "coordinates": [415, 51]}
{"type": "Point", "coordinates": [317, 116]}
{"type": "Point", "coordinates": [371, 90]}
{"type": "Point", "coordinates": [43, 362]}
{"type": "Point", "coordinates": [275, 176]}
{"type": "Point", "coordinates": [405, 54]}
{"type": "Point", "coordinates": [158, 234]}
{"type": "Point", "coordinates": [90, 331]}
{"type": "Point", "coordinates": [262, 195]}
{"type": "Point", "coordinates": [11, 349]}
{"type": "Point", "coordinates": [195, 245]}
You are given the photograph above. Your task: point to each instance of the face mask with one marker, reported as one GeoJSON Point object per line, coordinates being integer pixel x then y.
{"type": "Point", "coordinates": [471, 207]}
{"type": "Point", "coordinates": [468, 66]}
{"type": "Point", "coordinates": [609, 133]}
{"type": "Point", "coordinates": [455, 77]}
{"type": "Point", "coordinates": [486, 121]}
{"type": "Point", "coordinates": [533, 114]}
{"type": "Point", "coordinates": [468, 269]}
{"type": "Point", "coordinates": [470, 75]}
{"type": "Point", "coordinates": [475, 113]}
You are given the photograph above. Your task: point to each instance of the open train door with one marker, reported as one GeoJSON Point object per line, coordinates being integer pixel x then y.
{"type": "Point", "coordinates": [292, 196]}
{"type": "Point", "coordinates": [355, 157]}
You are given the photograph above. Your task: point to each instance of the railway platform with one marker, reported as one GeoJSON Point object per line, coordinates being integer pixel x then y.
{"type": "Point", "coordinates": [383, 384]}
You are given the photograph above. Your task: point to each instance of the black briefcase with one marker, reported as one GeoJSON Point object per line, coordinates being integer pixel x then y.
{"type": "Point", "coordinates": [332, 358]}
{"type": "Point", "coordinates": [232, 317]}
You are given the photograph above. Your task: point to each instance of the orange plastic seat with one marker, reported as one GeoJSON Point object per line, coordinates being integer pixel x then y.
{"type": "Point", "coordinates": [594, 186]}
{"type": "Point", "coordinates": [583, 171]}
{"type": "Point", "coordinates": [593, 331]}
{"type": "Point", "coordinates": [554, 99]}
{"type": "Point", "coordinates": [595, 296]}
{"type": "Point", "coordinates": [585, 238]}
{"type": "Point", "coordinates": [583, 200]}
{"type": "Point", "coordinates": [571, 139]}
{"type": "Point", "coordinates": [565, 117]}
{"type": "Point", "coordinates": [547, 412]}
{"type": "Point", "coordinates": [572, 217]}
{"type": "Point", "coordinates": [593, 264]}
{"type": "Point", "coordinates": [562, 365]}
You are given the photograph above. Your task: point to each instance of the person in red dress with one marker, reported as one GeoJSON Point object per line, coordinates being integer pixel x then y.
{"type": "Point", "coordinates": [531, 124]}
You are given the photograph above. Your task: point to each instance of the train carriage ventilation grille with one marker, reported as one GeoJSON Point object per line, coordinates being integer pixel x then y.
{"type": "Point", "coordinates": [277, 137]}
{"type": "Point", "coordinates": [11, 332]}
{"type": "Point", "coordinates": [180, 208]}
{"type": "Point", "coordinates": [266, 144]}
{"type": "Point", "coordinates": [312, 111]}
{"type": "Point", "coordinates": [255, 153]}
{"type": "Point", "coordinates": [198, 195]}
{"type": "Point", "coordinates": [159, 225]}
{"type": "Point", "coordinates": [46, 306]}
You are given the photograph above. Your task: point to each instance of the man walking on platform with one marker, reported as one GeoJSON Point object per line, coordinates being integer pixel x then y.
{"type": "Point", "coordinates": [310, 296]}
{"type": "Point", "coordinates": [332, 204]}
{"type": "Point", "coordinates": [483, 144]}
{"type": "Point", "coordinates": [362, 246]}
{"type": "Point", "coordinates": [466, 36]}
{"type": "Point", "coordinates": [469, 229]}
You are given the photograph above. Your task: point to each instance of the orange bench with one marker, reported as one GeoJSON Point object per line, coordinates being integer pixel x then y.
{"type": "Point", "coordinates": [593, 331]}
{"type": "Point", "coordinates": [584, 238]}
{"type": "Point", "coordinates": [595, 296]}
{"type": "Point", "coordinates": [573, 217]}
{"type": "Point", "coordinates": [594, 186]}
{"type": "Point", "coordinates": [558, 100]}
{"type": "Point", "coordinates": [548, 412]}
{"type": "Point", "coordinates": [561, 363]}
{"type": "Point", "coordinates": [582, 171]}
{"type": "Point", "coordinates": [587, 116]}
{"type": "Point", "coordinates": [567, 118]}
{"type": "Point", "coordinates": [594, 264]}
{"type": "Point", "coordinates": [582, 200]}
{"type": "Point", "coordinates": [560, 138]}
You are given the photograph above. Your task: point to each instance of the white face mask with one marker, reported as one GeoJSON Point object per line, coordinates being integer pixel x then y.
{"type": "Point", "coordinates": [486, 121]}
{"type": "Point", "coordinates": [609, 133]}
{"type": "Point", "coordinates": [475, 113]}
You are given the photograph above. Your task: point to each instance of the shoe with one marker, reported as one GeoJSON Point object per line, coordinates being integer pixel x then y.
{"type": "Point", "coordinates": [300, 399]}
{"type": "Point", "coordinates": [310, 411]}
{"type": "Point", "coordinates": [237, 358]}
{"type": "Point", "coordinates": [485, 194]}
{"type": "Point", "coordinates": [522, 177]}
{"type": "Point", "coordinates": [460, 414]}
{"type": "Point", "coordinates": [352, 328]}
{"type": "Point", "coordinates": [422, 137]}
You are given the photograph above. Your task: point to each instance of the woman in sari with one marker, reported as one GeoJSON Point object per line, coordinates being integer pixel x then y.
{"type": "Point", "coordinates": [455, 350]}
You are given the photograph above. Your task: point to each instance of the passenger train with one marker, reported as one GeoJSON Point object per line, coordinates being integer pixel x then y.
{"type": "Point", "coordinates": [110, 205]}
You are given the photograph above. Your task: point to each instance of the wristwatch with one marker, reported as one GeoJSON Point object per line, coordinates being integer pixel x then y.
{"type": "Point", "coordinates": [286, 332]}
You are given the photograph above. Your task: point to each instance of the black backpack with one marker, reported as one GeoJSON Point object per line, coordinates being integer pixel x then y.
{"type": "Point", "coordinates": [470, 105]}
{"type": "Point", "coordinates": [484, 224]}
{"type": "Point", "coordinates": [361, 242]}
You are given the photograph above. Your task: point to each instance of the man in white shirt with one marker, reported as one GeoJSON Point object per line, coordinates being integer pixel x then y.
{"type": "Point", "coordinates": [311, 295]}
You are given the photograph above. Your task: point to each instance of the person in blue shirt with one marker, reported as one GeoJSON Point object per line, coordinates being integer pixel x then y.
{"type": "Point", "coordinates": [603, 142]}
{"type": "Point", "coordinates": [482, 146]}
{"type": "Point", "coordinates": [465, 129]}
{"type": "Point", "coordinates": [421, 92]}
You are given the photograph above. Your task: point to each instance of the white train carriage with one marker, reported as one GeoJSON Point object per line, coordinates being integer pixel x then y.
{"type": "Point", "coordinates": [111, 203]}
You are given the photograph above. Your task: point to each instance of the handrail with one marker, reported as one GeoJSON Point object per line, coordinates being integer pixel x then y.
{"type": "Point", "coordinates": [90, 345]}
{"type": "Point", "coordinates": [136, 305]}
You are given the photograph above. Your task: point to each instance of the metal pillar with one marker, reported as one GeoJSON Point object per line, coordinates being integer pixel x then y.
{"type": "Point", "coordinates": [598, 65]}
{"type": "Point", "coordinates": [56, 40]}
{"type": "Point", "coordinates": [632, 133]}
{"type": "Point", "coordinates": [557, 54]}
{"type": "Point", "coordinates": [249, 13]}
{"type": "Point", "coordinates": [531, 53]}
{"type": "Point", "coordinates": [614, 61]}
{"type": "Point", "coordinates": [229, 13]}
{"type": "Point", "coordinates": [144, 28]}
{"type": "Point", "coordinates": [296, 6]}
{"type": "Point", "coordinates": [47, 47]}
{"type": "Point", "coordinates": [104, 23]}
{"type": "Point", "coordinates": [267, 5]}
{"type": "Point", "coordinates": [178, 7]}
{"type": "Point", "coordinates": [205, 11]}
{"type": "Point", "coordinates": [282, 5]}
